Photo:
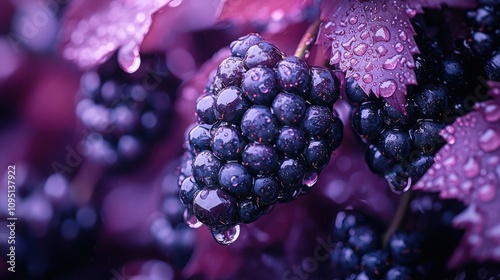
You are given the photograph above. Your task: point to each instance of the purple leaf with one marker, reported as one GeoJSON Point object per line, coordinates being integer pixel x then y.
{"type": "Point", "coordinates": [266, 11]}
{"type": "Point", "coordinates": [468, 168]}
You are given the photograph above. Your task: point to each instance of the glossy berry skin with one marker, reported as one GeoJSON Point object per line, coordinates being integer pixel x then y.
{"type": "Point", "coordinates": [188, 190]}
{"type": "Point", "coordinates": [317, 121]}
{"type": "Point", "coordinates": [375, 263]}
{"type": "Point", "coordinates": [367, 121]}
{"type": "Point", "coordinates": [431, 101]}
{"type": "Point", "coordinates": [240, 47]}
{"type": "Point", "coordinates": [335, 134]}
{"type": "Point", "coordinates": [289, 108]}
{"type": "Point", "coordinates": [425, 136]}
{"type": "Point", "coordinates": [398, 273]}
{"type": "Point", "coordinates": [263, 53]}
{"type": "Point", "coordinates": [405, 247]}
{"type": "Point", "coordinates": [214, 208]}
{"type": "Point", "coordinates": [317, 154]}
{"type": "Point", "coordinates": [292, 74]}
{"type": "Point", "coordinates": [325, 87]}
{"type": "Point", "coordinates": [291, 172]}
{"type": "Point", "coordinates": [398, 178]}
{"type": "Point", "coordinates": [364, 239]}
{"type": "Point", "coordinates": [481, 44]}
{"type": "Point", "coordinates": [249, 211]}
{"type": "Point", "coordinates": [199, 138]}
{"type": "Point", "coordinates": [205, 169]}
{"type": "Point", "coordinates": [344, 222]}
{"type": "Point", "coordinates": [395, 144]}
{"type": "Point", "coordinates": [355, 94]}
{"type": "Point", "coordinates": [231, 104]}
{"type": "Point", "coordinates": [376, 161]}
{"type": "Point", "coordinates": [290, 141]}
{"type": "Point", "coordinates": [205, 109]}
{"type": "Point", "coordinates": [346, 259]}
{"type": "Point", "coordinates": [231, 71]}
{"type": "Point", "coordinates": [393, 117]}
{"type": "Point", "coordinates": [266, 189]}
{"type": "Point", "coordinates": [227, 142]}
{"type": "Point", "coordinates": [453, 71]}
{"type": "Point", "coordinates": [235, 179]}
{"type": "Point", "coordinates": [260, 85]}
{"type": "Point", "coordinates": [419, 164]}
{"type": "Point", "coordinates": [492, 67]}
{"type": "Point", "coordinates": [259, 124]}
{"type": "Point", "coordinates": [260, 158]}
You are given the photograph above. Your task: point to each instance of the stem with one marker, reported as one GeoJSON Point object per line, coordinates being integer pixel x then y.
{"type": "Point", "coordinates": [398, 217]}
{"type": "Point", "coordinates": [308, 39]}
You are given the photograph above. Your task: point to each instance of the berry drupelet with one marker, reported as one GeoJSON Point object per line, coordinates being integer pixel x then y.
{"type": "Point", "coordinates": [265, 130]}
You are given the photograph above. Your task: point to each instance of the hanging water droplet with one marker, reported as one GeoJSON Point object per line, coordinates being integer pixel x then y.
{"type": "Point", "coordinates": [310, 179]}
{"type": "Point", "coordinates": [398, 183]}
{"type": "Point", "coordinates": [489, 140]}
{"type": "Point", "coordinates": [191, 220]}
{"type": "Point", "coordinates": [391, 63]}
{"type": "Point", "coordinates": [382, 33]}
{"type": "Point", "coordinates": [360, 49]}
{"type": "Point", "coordinates": [129, 58]}
{"type": "Point", "coordinates": [387, 88]}
{"type": "Point", "coordinates": [367, 78]}
{"type": "Point", "coordinates": [410, 12]}
{"type": "Point", "coordinates": [226, 236]}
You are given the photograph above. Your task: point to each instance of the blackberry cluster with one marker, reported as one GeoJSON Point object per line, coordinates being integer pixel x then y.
{"type": "Point", "coordinates": [409, 253]}
{"type": "Point", "coordinates": [265, 129]}
{"type": "Point", "coordinates": [402, 146]}
{"type": "Point", "coordinates": [483, 41]}
{"type": "Point", "coordinates": [125, 113]}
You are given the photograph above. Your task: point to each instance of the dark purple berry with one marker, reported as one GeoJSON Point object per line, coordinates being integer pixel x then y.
{"type": "Point", "coordinates": [188, 191]}
{"type": "Point", "coordinates": [375, 263]}
{"type": "Point", "coordinates": [426, 138]}
{"type": "Point", "coordinates": [398, 273]}
{"type": "Point", "coordinates": [317, 154]}
{"type": "Point", "coordinates": [231, 71]}
{"type": "Point", "coordinates": [231, 104]}
{"type": "Point", "coordinates": [355, 94]}
{"type": "Point", "coordinates": [291, 141]}
{"type": "Point", "coordinates": [317, 121]}
{"type": "Point", "coordinates": [199, 138]}
{"type": "Point", "coordinates": [367, 121]}
{"type": "Point", "coordinates": [395, 118]}
{"type": "Point", "coordinates": [260, 158]}
{"type": "Point", "coordinates": [240, 47]}
{"type": "Point", "coordinates": [205, 109]}
{"type": "Point", "coordinates": [376, 161]}
{"type": "Point", "coordinates": [453, 71]}
{"type": "Point", "coordinates": [259, 124]}
{"type": "Point", "coordinates": [405, 247]}
{"type": "Point", "coordinates": [492, 67]}
{"type": "Point", "coordinates": [431, 100]}
{"type": "Point", "coordinates": [325, 87]}
{"type": "Point", "coordinates": [206, 169]}
{"type": "Point", "coordinates": [259, 85]}
{"type": "Point", "coordinates": [235, 179]}
{"type": "Point", "coordinates": [482, 44]}
{"type": "Point", "coordinates": [291, 173]}
{"type": "Point", "coordinates": [345, 221]}
{"type": "Point", "coordinates": [289, 108]}
{"type": "Point", "coordinates": [363, 239]}
{"type": "Point", "coordinates": [346, 259]}
{"type": "Point", "coordinates": [263, 53]}
{"type": "Point", "coordinates": [335, 134]}
{"type": "Point", "coordinates": [395, 144]}
{"type": "Point", "coordinates": [249, 211]}
{"type": "Point", "coordinates": [214, 208]}
{"type": "Point", "coordinates": [227, 142]}
{"type": "Point", "coordinates": [293, 76]}
{"type": "Point", "coordinates": [266, 189]}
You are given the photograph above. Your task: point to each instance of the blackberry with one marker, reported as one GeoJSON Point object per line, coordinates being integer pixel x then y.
{"type": "Point", "coordinates": [125, 114]}
{"type": "Point", "coordinates": [355, 94]}
{"type": "Point", "coordinates": [265, 130]}
{"type": "Point", "coordinates": [367, 121]}
{"type": "Point", "coordinates": [492, 67]}
{"type": "Point", "coordinates": [395, 144]}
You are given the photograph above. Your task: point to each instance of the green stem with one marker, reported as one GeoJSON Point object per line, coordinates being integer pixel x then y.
{"type": "Point", "coordinates": [404, 201]}
{"type": "Point", "coordinates": [308, 39]}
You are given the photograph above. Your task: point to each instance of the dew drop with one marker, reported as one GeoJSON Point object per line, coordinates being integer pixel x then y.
{"type": "Point", "coordinates": [489, 140]}
{"type": "Point", "coordinates": [492, 112]}
{"type": "Point", "coordinates": [353, 20]}
{"type": "Point", "coordinates": [255, 76]}
{"type": "Point", "coordinates": [128, 57]}
{"type": "Point", "coordinates": [355, 76]}
{"type": "Point", "coordinates": [365, 34]}
{"type": "Point", "coordinates": [226, 236]}
{"type": "Point", "coordinates": [335, 58]}
{"type": "Point", "coordinates": [387, 88]}
{"type": "Point", "coordinates": [367, 78]}
{"type": "Point", "coordinates": [486, 192]}
{"type": "Point", "coordinates": [354, 62]}
{"type": "Point", "coordinates": [399, 47]}
{"type": "Point", "coordinates": [191, 220]}
{"type": "Point", "coordinates": [234, 181]}
{"type": "Point", "coordinates": [382, 33]}
{"type": "Point", "coordinates": [381, 50]}
{"type": "Point", "coordinates": [347, 45]}
{"type": "Point", "coordinates": [391, 63]}
{"type": "Point", "coordinates": [369, 67]}
{"type": "Point", "coordinates": [310, 179]}
{"type": "Point", "coordinates": [287, 70]}
{"type": "Point", "coordinates": [410, 12]}
{"type": "Point", "coordinates": [471, 167]}
{"type": "Point", "coordinates": [398, 184]}
{"type": "Point", "coordinates": [360, 49]}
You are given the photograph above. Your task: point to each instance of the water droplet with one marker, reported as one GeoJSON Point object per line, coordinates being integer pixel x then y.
{"type": "Point", "coordinates": [254, 76]}
{"type": "Point", "coordinates": [234, 181]}
{"type": "Point", "coordinates": [471, 167]}
{"type": "Point", "coordinates": [387, 88]}
{"type": "Point", "coordinates": [226, 236]}
{"type": "Point", "coordinates": [335, 58]}
{"type": "Point", "coordinates": [355, 76]}
{"type": "Point", "coordinates": [129, 58]}
{"type": "Point", "coordinates": [397, 183]}
{"type": "Point", "coordinates": [391, 63]}
{"type": "Point", "coordinates": [287, 70]}
{"type": "Point", "coordinates": [360, 27]}
{"type": "Point", "coordinates": [347, 45]}
{"type": "Point", "coordinates": [367, 78]}
{"type": "Point", "coordinates": [263, 88]}
{"type": "Point", "coordinates": [492, 112]}
{"type": "Point", "coordinates": [354, 62]}
{"type": "Point", "coordinates": [340, 32]}
{"type": "Point", "coordinates": [381, 34]}
{"type": "Point", "coordinates": [381, 50]}
{"type": "Point", "coordinates": [365, 34]}
{"type": "Point", "coordinates": [360, 49]}
{"type": "Point", "coordinates": [369, 67]}
{"type": "Point", "coordinates": [402, 35]}
{"type": "Point", "coordinates": [353, 20]}
{"type": "Point", "coordinates": [191, 220]}
{"type": "Point", "coordinates": [399, 47]}
{"type": "Point", "coordinates": [310, 179]}
{"type": "Point", "coordinates": [410, 12]}
{"type": "Point", "coordinates": [486, 192]}
{"type": "Point", "coordinates": [489, 140]}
